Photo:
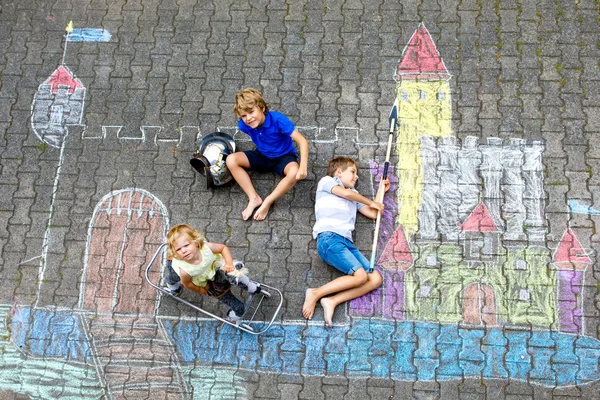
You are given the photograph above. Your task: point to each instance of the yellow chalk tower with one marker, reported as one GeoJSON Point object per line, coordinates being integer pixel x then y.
{"type": "Point", "coordinates": [424, 108]}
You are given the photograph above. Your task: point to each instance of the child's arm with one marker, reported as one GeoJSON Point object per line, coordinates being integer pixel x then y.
{"type": "Point", "coordinates": [303, 144]}
{"type": "Point", "coordinates": [225, 252]}
{"type": "Point", "coordinates": [370, 211]}
{"type": "Point", "coordinates": [186, 280]}
{"type": "Point", "coordinates": [373, 207]}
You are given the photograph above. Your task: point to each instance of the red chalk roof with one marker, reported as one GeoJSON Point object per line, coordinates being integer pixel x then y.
{"type": "Point", "coordinates": [420, 58]}
{"type": "Point", "coordinates": [62, 76]}
{"type": "Point", "coordinates": [480, 220]}
{"type": "Point", "coordinates": [569, 250]}
{"type": "Point", "coordinates": [396, 251]}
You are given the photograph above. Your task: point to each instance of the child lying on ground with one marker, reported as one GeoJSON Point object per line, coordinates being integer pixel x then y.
{"type": "Point", "coordinates": [335, 209]}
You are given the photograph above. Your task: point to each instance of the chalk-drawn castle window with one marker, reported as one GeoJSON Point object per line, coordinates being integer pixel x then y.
{"type": "Point", "coordinates": [488, 246]}
{"type": "Point", "coordinates": [441, 95]}
{"type": "Point", "coordinates": [422, 95]}
{"type": "Point", "coordinates": [475, 248]}
{"type": "Point", "coordinates": [521, 264]}
{"type": "Point", "coordinates": [424, 291]}
{"type": "Point", "coordinates": [56, 115]}
{"type": "Point", "coordinates": [524, 295]}
{"type": "Point", "coordinates": [481, 247]}
{"type": "Point", "coordinates": [405, 96]}
{"type": "Point", "coordinates": [431, 260]}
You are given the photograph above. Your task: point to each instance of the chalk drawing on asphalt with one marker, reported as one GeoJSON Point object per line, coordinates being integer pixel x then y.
{"type": "Point", "coordinates": [89, 35]}
{"type": "Point", "coordinates": [422, 261]}
{"type": "Point", "coordinates": [576, 207]}
{"type": "Point", "coordinates": [424, 103]}
{"type": "Point", "coordinates": [126, 228]}
{"type": "Point", "coordinates": [470, 242]}
{"type": "Point", "coordinates": [57, 104]}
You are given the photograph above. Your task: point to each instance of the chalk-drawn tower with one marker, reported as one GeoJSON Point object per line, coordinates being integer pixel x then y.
{"type": "Point", "coordinates": [116, 309]}
{"type": "Point", "coordinates": [58, 103]}
{"type": "Point", "coordinates": [424, 109]}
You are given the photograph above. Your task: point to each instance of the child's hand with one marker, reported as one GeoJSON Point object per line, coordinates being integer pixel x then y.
{"type": "Point", "coordinates": [228, 268]}
{"type": "Point", "coordinates": [301, 174]}
{"type": "Point", "coordinates": [376, 205]}
{"type": "Point", "coordinates": [386, 184]}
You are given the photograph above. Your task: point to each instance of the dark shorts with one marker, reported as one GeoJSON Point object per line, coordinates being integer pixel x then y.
{"type": "Point", "coordinates": [260, 162]}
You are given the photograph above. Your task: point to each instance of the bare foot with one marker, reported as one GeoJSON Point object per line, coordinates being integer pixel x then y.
{"type": "Point", "coordinates": [262, 212]}
{"type": "Point", "coordinates": [328, 308]}
{"type": "Point", "coordinates": [252, 204]}
{"type": "Point", "coordinates": [310, 301]}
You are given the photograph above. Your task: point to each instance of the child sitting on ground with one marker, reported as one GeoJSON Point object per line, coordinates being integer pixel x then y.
{"type": "Point", "coordinates": [206, 268]}
{"type": "Point", "coordinates": [335, 209]}
{"type": "Point", "coordinates": [273, 134]}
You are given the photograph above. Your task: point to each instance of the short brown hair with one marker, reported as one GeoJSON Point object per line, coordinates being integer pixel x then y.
{"type": "Point", "coordinates": [178, 231]}
{"type": "Point", "coordinates": [246, 100]}
{"type": "Point", "coordinates": [340, 162]}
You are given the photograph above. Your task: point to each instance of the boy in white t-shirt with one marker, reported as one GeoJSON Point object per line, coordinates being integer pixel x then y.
{"type": "Point", "coordinates": [335, 209]}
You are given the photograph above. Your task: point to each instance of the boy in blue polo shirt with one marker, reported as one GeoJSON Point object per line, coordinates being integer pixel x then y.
{"type": "Point", "coordinates": [336, 204]}
{"type": "Point", "coordinates": [273, 134]}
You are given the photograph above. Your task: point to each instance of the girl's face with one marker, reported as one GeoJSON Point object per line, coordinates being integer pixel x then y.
{"type": "Point", "coordinates": [255, 118]}
{"type": "Point", "coordinates": [185, 249]}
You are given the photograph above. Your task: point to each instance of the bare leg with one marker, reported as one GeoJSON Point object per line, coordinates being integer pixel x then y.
{"type": "Point", "coordinates": [237, 164]}
{"type": "Point", "coordinates": [282, 188]}
{"type": "Point", "coordinates": [340, 284]}
{"type": "Point", "coordinates": [330, 303]}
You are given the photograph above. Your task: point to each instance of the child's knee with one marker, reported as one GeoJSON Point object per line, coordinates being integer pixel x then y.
{"type": "Point", "coordinates": [375, 279]}
{"type": "Point", "coordinates": [361, 276]}
{"type": "Point", "coordinates": [291, 170]}
{"type": "Point", "coordinates": [231, 161]}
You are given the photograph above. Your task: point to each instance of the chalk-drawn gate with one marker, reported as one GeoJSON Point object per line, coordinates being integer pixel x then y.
{"type": "Point", "coordinates": [479, 305]}
{"type": "Point", "coordinates": [136, 357]}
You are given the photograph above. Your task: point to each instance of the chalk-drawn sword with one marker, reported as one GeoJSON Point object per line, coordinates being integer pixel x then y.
{"type": "Point", "coordinates": [381, 189]}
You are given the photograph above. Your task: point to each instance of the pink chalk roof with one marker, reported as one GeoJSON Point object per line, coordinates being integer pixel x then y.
{"type": "Point", "coordinates": [569, 250]}
{"type": "Point", "coordinates": [480, 220]}
{"type": "Point", "coordinates": [420, 58]}
{"type": "Point", "coordinates": [397, 250]}
{"type": "Point", "coordinates": [64, 77]}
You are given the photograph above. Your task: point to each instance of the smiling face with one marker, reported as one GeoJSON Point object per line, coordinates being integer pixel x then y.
{"type": "Point", "coordinates": [255, 118]}
{"type": "Point", "coordinates": [349, 176]}
{"type": "Point", "coordinates": [185, 248]}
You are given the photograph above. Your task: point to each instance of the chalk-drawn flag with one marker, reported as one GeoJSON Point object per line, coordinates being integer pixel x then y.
{"type": "Point", "coordinates": [89, 35]}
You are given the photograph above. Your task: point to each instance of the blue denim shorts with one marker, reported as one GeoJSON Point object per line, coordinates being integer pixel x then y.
{"type": "Point", "coordinates": [340, 253]}
{"type": "Point", "coordinates": [259, 162]}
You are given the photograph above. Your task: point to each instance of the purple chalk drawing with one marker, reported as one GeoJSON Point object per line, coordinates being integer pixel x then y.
{"type": "Point", "coordinates": [569, 298]}
{"type": "Point", "coordinates": [371, 303]}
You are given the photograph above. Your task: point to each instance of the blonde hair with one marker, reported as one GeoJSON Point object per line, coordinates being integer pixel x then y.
{"type": "Point", "coordinates": [342, 163]}
{"type": "Point", "coordinates": [246, 100]}
{"type": "Point", "coordinates": [180, 230]}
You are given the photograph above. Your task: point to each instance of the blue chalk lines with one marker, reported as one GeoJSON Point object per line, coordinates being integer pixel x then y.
{"type": "Point", "coordinates": [384, 349]}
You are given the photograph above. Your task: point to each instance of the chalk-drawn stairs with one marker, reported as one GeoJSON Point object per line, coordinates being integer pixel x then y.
{"type": "Point", "coordinates": [136, 359]}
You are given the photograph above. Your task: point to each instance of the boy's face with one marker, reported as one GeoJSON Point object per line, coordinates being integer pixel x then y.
{"type": "Point", "coordinates": [349, 176]}
{"type": "Point", "coordinates": [255, 118]}
{"type": "Point", "coordinates": [185, 248]}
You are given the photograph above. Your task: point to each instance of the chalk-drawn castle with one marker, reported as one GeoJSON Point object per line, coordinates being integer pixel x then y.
{"type": "Point", "coordinates": [470, 242]}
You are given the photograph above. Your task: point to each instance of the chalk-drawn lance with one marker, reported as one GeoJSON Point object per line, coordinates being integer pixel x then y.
{"type": "Point", "coordinates": [393, 118]}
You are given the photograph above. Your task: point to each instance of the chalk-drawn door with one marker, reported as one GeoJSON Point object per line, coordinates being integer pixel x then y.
{"type": "Point", "coordinates": [126, 229]}
{"type": "Point", "coordinates": [479, 305]}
